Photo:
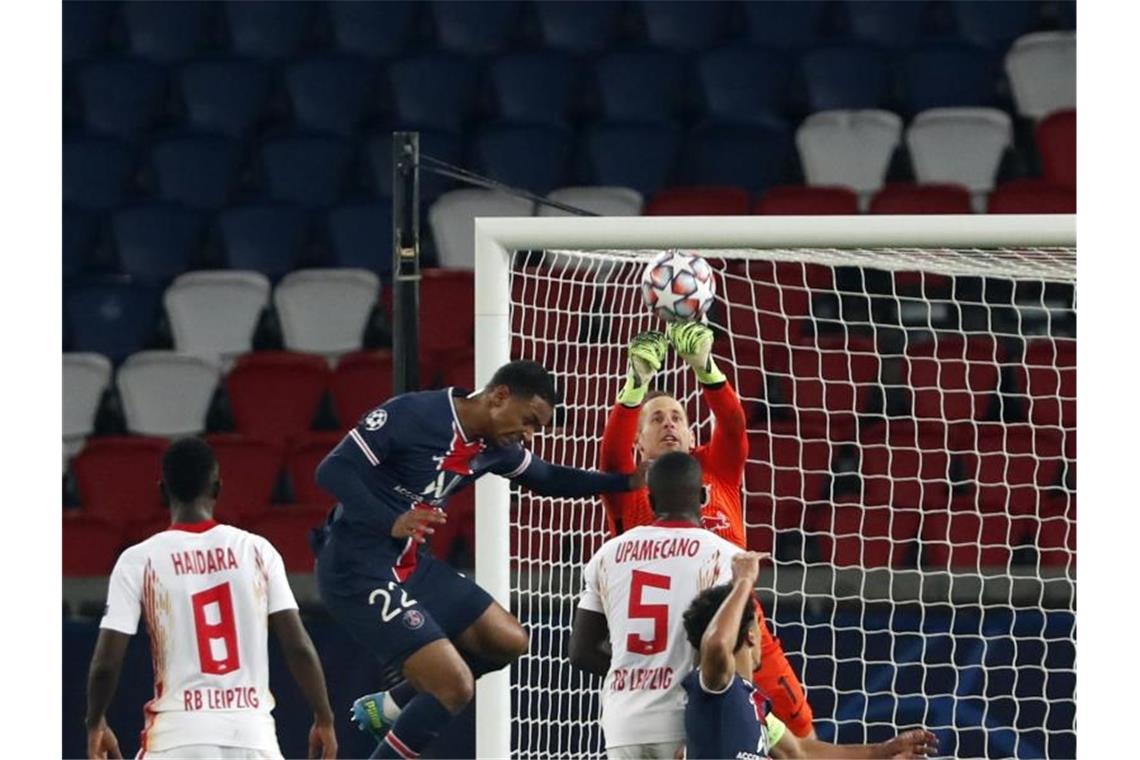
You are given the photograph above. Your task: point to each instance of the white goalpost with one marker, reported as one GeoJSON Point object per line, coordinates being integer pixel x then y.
{"type": "Point", "coordinates": [909, 384]}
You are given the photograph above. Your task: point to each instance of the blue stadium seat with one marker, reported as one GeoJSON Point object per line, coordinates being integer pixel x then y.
{"type": "Point", "coordinates": [948, 75]}
{"type": "Point", "coordinates": [994, 23]}
{"type": "Point", "coordinates": [268, 29]}
{"type": "Point", "coordinates": [375, 30]}
{"type": "Point", "coordinates": [534, 158]}
{"type": "Point", "coordinates": [306, 170]}
{"type": "Point", "coordinates": [846, 76]}
{"type": "Point", "coordinates": [579, 28]}
{"type": "Point", "coordinates": [267, 238]}
{"type": "Point", "coordinates": [640, 84]}
{"type": "Point", "coordinates": [197, 171]}
{"type": "Point", "coordinates": [156, 241]}
{"type": "Point", "coordinates": [684, 25]}
{"type": "Point", "coordinates": [434, 90]}
{"type": "Point", "coordinates": [535, 87]}
{"type": "Point", "coordinates": [754, 156]}
{"type": "Point", "coordinates": [85, 29]}
{"type": "Point", "coordinates": [224, 95]}
{"type": "Point", "coordinates": [780, 24]}
{"type": "Point", "coordinates": [744, 84]}
{"type": "Point", "coordinates": [120, 96]}
{"type": "Point", "coordinates": [168, 31]}
{"type": "Point", "coordinates": [1068, 14]}
{"type": "Point", "coordinates": [474, 28]}
{"type": "Point", "coordinates": [329, 93]}
{"type": "Point", "coordinates": [80, 234]}
{"type": "Point", "coordinates": [377, 169]}
{"type": "Point", "coordinates": [360, 236]}
{"type": "Point", "coordinates": [628, 155]}
{"type": "Point", "coordinates": [881, 22]}
{"type": "Point", "coordinates": [96, 172]}
{"type": "Point", "coordinates": [110, 316]}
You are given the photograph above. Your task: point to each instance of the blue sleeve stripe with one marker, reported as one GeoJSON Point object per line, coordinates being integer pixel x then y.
{"type": "Point", "coordinates": [356, 436]}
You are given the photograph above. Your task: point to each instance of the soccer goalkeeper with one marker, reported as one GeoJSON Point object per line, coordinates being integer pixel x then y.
{"type": "Point", "coordinates": [656, 423]}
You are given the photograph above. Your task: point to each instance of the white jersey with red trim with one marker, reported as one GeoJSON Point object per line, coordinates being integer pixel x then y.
{"type": "Point", "coordinates": [206, 592]}
{"type": "Point", "coordinates": [643, 581]}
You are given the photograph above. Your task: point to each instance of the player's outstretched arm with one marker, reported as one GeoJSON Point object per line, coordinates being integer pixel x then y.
{"type": "Point", "coordinates": [553, 480]}
{"type": "Point", "coordinates": [718, 644]}
{"type": "Point", "coordinates": [587, 642]}
{"type": "Point", "coordinates": [909, 745]}
{"type": "Point", "coordinates": [102, 679]}
{"type": "Point", "coordinates": [305, 666]}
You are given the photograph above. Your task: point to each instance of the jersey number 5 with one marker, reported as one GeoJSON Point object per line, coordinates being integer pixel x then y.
{"type": "Point", "coordinates": [639, 610]}
{"type": "Point", "coordinates": [215, 630]}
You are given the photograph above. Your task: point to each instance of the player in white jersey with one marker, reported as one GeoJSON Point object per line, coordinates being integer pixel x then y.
{"type": "Point", "coordinates": [209, 594]}
{"type": "Point", "coordinates": [636, 587]}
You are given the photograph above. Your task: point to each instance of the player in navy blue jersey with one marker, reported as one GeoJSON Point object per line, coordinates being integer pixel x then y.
{"type": "Point", "coordinates": [726, 716]}
{"type": "Point", "coordinates": [392, 475]}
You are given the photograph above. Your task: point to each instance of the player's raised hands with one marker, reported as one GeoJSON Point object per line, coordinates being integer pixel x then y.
{"type": "Point", "coordinates": [746, 566]}
{"type": "Point", "coordinates": [102, 743]}
{"type": "Point", "coordinates": [646, 357]}
{"type": "Point", "coordinates": [417, 523]}
{"type": "Point", "coordinates": [693, 342]}
{"type": "Point", "coordinates": [322, 740]}
{"type": "Point", "coordinates": [916, 743]}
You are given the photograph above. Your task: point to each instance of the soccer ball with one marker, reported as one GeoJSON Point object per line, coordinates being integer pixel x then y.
{"type": "Point", "coordinates": [678, 287]}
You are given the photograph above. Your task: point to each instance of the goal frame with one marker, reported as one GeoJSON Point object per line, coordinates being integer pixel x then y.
{"type": "Point", "coordinates": [497, 238]}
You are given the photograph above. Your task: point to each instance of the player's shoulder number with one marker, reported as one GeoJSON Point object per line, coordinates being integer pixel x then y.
{"type": "Point", "coordinates": [376, 419]}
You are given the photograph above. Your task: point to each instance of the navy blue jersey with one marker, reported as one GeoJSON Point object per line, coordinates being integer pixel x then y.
{"type": "Point", "coordinates": [733, 723]}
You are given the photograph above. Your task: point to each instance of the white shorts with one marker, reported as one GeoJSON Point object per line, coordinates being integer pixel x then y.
{"type": "Point", "coordinates": [210, 752]}
{"type": "Point", "coordinates": [658, 751]}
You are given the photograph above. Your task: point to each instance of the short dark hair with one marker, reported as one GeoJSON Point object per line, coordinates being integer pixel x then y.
{"type": "Point", "coordinates": [675, 484]}
{"type": "Point", "coordinates": [188, 469]}
{"type": "Point", "coordinates": [526, 379]}
{"type": "Point", "coordinates": [705, 606]}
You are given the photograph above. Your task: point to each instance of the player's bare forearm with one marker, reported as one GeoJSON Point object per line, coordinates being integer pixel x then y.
{"type": "Point", "coordinates": [103, 677]}
{"type": "Point", "coordinates": [719, 640]}
{"type": "Point", "coordinates": [304, 664]}
{"type": "Point", "coordinates": [911, 744]}
{"type": "Point", "coordinates": [587, 640]}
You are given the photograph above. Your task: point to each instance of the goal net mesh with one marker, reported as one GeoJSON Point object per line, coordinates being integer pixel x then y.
{"type": "Point", "coordinates": [912, 434]}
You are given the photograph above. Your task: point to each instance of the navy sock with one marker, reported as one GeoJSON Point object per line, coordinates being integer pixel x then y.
{"type": "Point", "coordinates": [419, 723]}
{"type": "Point", "coordinates": [403, 692]}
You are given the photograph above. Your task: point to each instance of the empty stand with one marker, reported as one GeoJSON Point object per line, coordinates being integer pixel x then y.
{"type": "Point", "coordinates": [447, 314]}
{"type": "Point", "coordinates": [215, 314]}
{"type": "Point", "coordinates": [744, 84]}
{"type": "Point", "coordinates": [270, 30]}
{"type": "Point", "coordinates": [1042, 70]}
{"type": "Point", "coordinates": [1032, 197]}
{"type": "Point", "coordinates": [642, 157]}
{"type": "Point", "coordinates": [890, 25]}
{"type": "Point", "coordinates": [753, 156]}
{"type": "Point", "coordinates": [639, 84]}
{"type": "Point", "coordinates": [534, 87]}
{"type": "Point", "coordinates": [1057, 143]}
{"type": "Point", "coordinates": [779, 24]}
{"type": "Point", "coordinates": [325, 311]}
{"type": "Point", "coordinates": [156, 241]}
{"type": "Point", "coordinates": [604, 201]}
{"type": "Point", "coordinates": [287, 528]}
{"type": "Point", "coordinates": [85, 27]}
{"type": "Point", "coordinates": [275, 394]}
{"type": "Point", "coordinates": [907, 198]}
{"type": "Point", "coordinates": [85, 379]}
{"type": "Point", "coordinates": [848, 148]}
{"type": "Point", "coordinates": [993, 24]}
{"type": "Point", "coordinates": [80, 236]}
{"type": "Point", "coordinates": [120, 96]}
{"type": "Point", "coordinates": [699, 201]}
{"type": "Point", "coordinates": [167, 32]}
{"type": "Point", "coordinates": [434, 90]}
{"type": "Point", "coordinates": [953, 379]}
{"type": "Point", "coordinates": [948, 75]}
{"type": "Point", "coordinates": [374, 30]}
{"type": "Point", "coordinates": [304, 455]}
{"type": "Point", "coordinates": [1047, 375]}
{"type": "Point", "coordinates": [330, 93]}
{"type": "Point", "coordinates": [223, 95]}
{"type": "Point", "coordinates": [111, 316]}
{"type": "Point", "coordinates": [830, 381]}
{"type": "Point", "coordinates": [846, 77]}
{"type": "Point", "coordinates": [966, 540]}
{"type": "Point", "coordinates": [795, 200]}
{"type": "Point", "coordinates": [118, 479]}
{"type": "Point", "coordinates": [452, 219]}
{"type": "Point", "coordinates": [199, 171]}
{"type": "Point", "coordinates": [789, 467]}
{"type": "Point", "coordinates": [1008, 470]}
{"type": "Point", "coordinates": [905, 465]}
{"type": "Point", "coordinates": [360, 236]}
{"type": "Point", "coordinates": [868, 537]}
{"type": "Point", "coordinates": [166, 393]}
{"type": "Point", "coordinates": [249, 468]}
{"type": "Point", "coordinates": [475, 29]}
{"type": "Point", "coordinates": [961, 146]}
{"type": "Point", "coordinates": [269, 237]}
{"type": "Point", "coordinates": [535, 158]}
{"type": "Point", "coordinates": [684, 25]}
{"type": "Point", "coordinates": [90, 545]}
{"type": "Point", "coordinates": [579, 28]}
{"type": "Point", "coordinates": [377, 166]}
{"type": "Point", "coordinates": [97, 172]}
{"type": "Point", "coordinates": [362, 380]}
{"type": "Point", "coordinates": [307, 170]}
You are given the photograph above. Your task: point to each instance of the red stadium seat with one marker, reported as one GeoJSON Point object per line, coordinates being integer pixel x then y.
{"type": "Point", "coordinates": [90, 545]}
{"type": "Point", "coordinates": [287, 528]}
{"type": "Point", "coordinates": [275, 394]}
{"type": "Point", "coordinates": [801, 200]}
{"type": "Point", "coordinates": [118, 479]}
{"type": "Point", "coordinates": [301, 463]}
{"type": "Point", "coordinates": [1057, 144]}
{"type": "Point", "coordinates": [1048, 376]}
{"type": "Point", "coordinates": [1057, 542]}
{"type": "Point", "coordinates": [968, 540]}
{"type": "Point", "coordinates": [362, 380]}
{"type": "Point", "coordinates": [699, 201]}
{"type": "Point", "coordinates": [249, 469]}
{"type": "Point", "coordinates": [1029, 196]}
{"type": "Point", "coordinates": [1012, 467]}
{"type": "Point", "coordinates": [907, 198]}
{"type": "Point", "coordinates": [953, 378]}
{"type": "Point", "coordinates": [768, 304]}
{"type": "Point", "coordinates": [789, 465]}
{"type": "Point", "coordinates": [447, 312]}
{"type": "Point", "coordinates": [904, 465]}
{"type": "Point", "coordinates": [858, 536]}
{"type": "Point", "coordinates": [830, 381]}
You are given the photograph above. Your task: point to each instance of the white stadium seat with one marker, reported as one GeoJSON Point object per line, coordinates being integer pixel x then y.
{"type": "Point", "coordinates": [452, 219]}
{"type": "Point", "coordinates": [85, 378]}
{"type": "Point", "coordinates": [215, 313]}
{"type": "Point", "coordinates": [167, 393]}
{"type": "Point", "coordinates": [1042, 70]}
{"type": "Point", "coordinates": [962, 146]}
{"type": "Point", "coordinates": [606, 201]}
{"type": "Point", "coordinates": [849, 148]}
{"type": "Point", "coordinates": [325, 311]}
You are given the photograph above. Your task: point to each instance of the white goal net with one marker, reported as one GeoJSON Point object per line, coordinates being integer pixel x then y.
{"type": "Point", "coordinates": [912, 432]}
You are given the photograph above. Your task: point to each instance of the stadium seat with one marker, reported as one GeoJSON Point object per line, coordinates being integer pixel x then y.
{"type": "Point", "coordinates": [993, 24]}
{"type": "Point", "coordinates": [360, 237]}
{"type": "Point", "coordinates": [435, 90]}
{"type": "Point", "coordinates": [846, 77]}
{"type": "Point", "coordinates": [374, 30]}
{"type": "Point", "coordinates": [287, 528]}
{"type": "Point", "coordinates": [535, 87]}
{"type": "Point", "coordinates": [166, 393]}
{"type": "Point", "coordinates": [306, 170]}
{"type": "Point", "coordinates": [197, 171]}
{"type": "Point", "coordinates": [1047, 375]}
{"type": "Point", "coordinates": [85, 28]}
{"type": "Point", "coordinates": [267, 238]}
{"type": "Point", "coordinates": [578, 28]}
{"type": "Point", "coordinates": [450, 293]}
{"type": "Point", "coordinates": [166, 32]}
{"type": "Point", "coordinates": [953, 378]}
{"type": "Point", "coordinates": [604, 201]}
{"type": "Point", "coordinates": [362, 380]}
{"type": "Point", "coordinates": [905, 465]}
{"type": "Point", "coordinates": [961, 146]}
{"type": "Point", "coordinates": [329, 94]}
{"type": "Point", "coordinates": [85, 380]}
{"type": "Point", "coordinates": [1057, 144]}
{"type": "Point", "coordinates": [96, 172]}
{"type": "Point", "coordinates": [80, 236]}
{"type": "Point", "coordinates": [685, 25]}
{"type": "Point", "coordinates": [90, 545]}
{"type": "Point", "coordinates": [780, 24]}
{"type": "Point", "coordinates": [907, 198]}
{"type": "Point", "coordinates": [268, 30]}
{"type": "Point", "coordinates": [848, 148]}
{"type": "Point", "coordinates": [444, 146]}
{"type": "Point", "coordinates": [325, 311]}
{"type": "Point", "coordinates": [866, 537]}
{"type": "Point", "coordinates": [452, 219]}
{"type": "Point", "coordinates": [118, 479]}
{"type": "Point", "coordinates": [1009, 468]}
{"type": "Point", "coordinates": [789, 465]}
{"type": "Point", "coordinates": [796, 200]}
{"type": "Point", "coordinates": [224, 95]}
{"type": "Point", "coordinates": [534, 158]}
{"type": "Point", "coordinates": [275, 394]}
{"type": "Point", "coordinates": [830, 382]}
{"type": "Point", "coordinates": [249, 468]}
{"type": "Point", "coordinates": [215, 313]}
{"type": "Point", "coordinates": [110, 316]}
{"type": "Point", "coordinates": [474, 29]}
{"type": "Point", "coordinates": [768, 303]}
{"type": "Point", "coordinates": [948, 76]}
{"type": "Point", "coordinates": [1057, 543]}
{"type": "Point", "coordinates": [1032, 197]}
{"type": "Point", "coordinates": [642, 157]}
{"type": "Point", "coordinates": [966, 540]}
{"type": "Point", "coordinates": [639, 84]}
{"type": "Point", "coordinates": [890, 25]}
{"type": "Point", "coordinates": [743, 84]}
{"type": "Point", "coordinates": [305, 453]}
{"type": "Point", "coordinates": [754, 156]}
{"type": "Point", "coordinates": [156, 242]}
{"type": "Point", "coordinates": [121, 97]}
{"type": "Point", "coordinates": [699, 201]}
{"type": "Point", "coordinates": [459, 370]}
{"type": "Point", "coordinates": [1042, 70]}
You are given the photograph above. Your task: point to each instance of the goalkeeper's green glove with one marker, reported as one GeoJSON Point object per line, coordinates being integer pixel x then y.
{"type": "Point", "coordinates": [693, 341]}
{"type": "Point", "coordinates": [646, 355]}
